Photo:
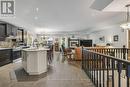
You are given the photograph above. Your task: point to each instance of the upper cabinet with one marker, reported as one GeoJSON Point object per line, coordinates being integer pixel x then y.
{"type": "Point", "coordinates": [7, 30]}
{"type": "Point", "coordinates": [11, 30]}
{"type": "Point", "coordinates": [14, 30]}
{"type": "Point", "coordinates": [20, 35]}
{"type": "Point", "coordinates": [3, 28]}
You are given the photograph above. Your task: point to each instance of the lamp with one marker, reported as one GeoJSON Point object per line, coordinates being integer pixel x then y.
{"type": "Point", "coordinates": [127, 24]}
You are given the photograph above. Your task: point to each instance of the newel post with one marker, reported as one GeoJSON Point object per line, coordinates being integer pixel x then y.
{"type": "Point", "coordinates": [82, 58]}
{"type": "Point", "coordinates": [124, 52]}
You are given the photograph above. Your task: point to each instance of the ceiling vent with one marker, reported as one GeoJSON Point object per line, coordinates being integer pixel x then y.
{"type": "Point", "coordinates": [100, 4]}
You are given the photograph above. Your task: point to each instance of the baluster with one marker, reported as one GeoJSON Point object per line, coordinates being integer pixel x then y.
{"type": "Point", "coordinates": [100, 68]}
{"type": "Point", "coordinates": [91, 66]}
{"type": "Point", "coordinates": [85, 59]}
{"type": "Point", "coordinates": [103, 75]}
{"type": "Point", "coordinates": [107, 72]}
{"type": "Point", "coordinates": [116, 52]}
{"type": "Point", "coordinates": [82, 58]}
{"type": "Point", "coordinates": [97, 69]}
{"type": "Point", "coordinates": [88, 64]}
{"type": "Point", "coordinates": [124, 52]}
{"type": "Point", "coordinates": [113, 64]}
{"type": "Point", "coordinates": [94, 68]}
{"type": "Point", "coordinates": [119, 68]}
{"type": "Point", "coordinates": [102, 51]}
{"type": "Point", "coordinates": [121, 53]}
{"type": "Point", "coordinates": [128, 74]}
{"type": "Point", "coordinates": [127, 54]}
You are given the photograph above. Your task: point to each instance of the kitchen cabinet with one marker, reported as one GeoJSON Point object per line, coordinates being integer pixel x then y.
{"type": "Point", "coordinates": [16, 54]}
{"type": "Point", "coordinates": [11, 30]}
{"type": "Point", "coordinates": [2, 32]}
{"type": "Point", "coordinates": [5, 56]}
{"type": "Point", "coordinates": [7, 30]}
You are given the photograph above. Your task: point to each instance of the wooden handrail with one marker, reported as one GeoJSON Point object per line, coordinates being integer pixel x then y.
{"type": "Point", "coordinates": [108, 56]}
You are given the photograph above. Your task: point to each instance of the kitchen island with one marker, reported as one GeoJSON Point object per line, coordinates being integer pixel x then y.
{"type": "Point", "coordinates": [34, 60]}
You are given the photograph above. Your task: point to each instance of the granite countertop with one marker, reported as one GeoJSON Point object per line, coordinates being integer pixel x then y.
{"type": "Point", "coordinates": [14, 49]}
{"type": "Point", "coordinates": [5, 48]}
{"type": "Point", "coordinates": [17, 49]}
{"type": "Point", "coordinates": [36, 49]}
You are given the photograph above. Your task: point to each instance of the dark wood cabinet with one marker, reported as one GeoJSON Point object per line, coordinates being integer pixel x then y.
{"type": "Point", "coordinates": [14, 30]}
{"type": "Point", "coordinates": [11, 30]}
{"type": "Point", "coordinates": [3, 28]}
{"type": "Point", "coordinates": [5, 56]}
{"type": "Point", "coordinates": [16, 54]}
{"type": "Point", "coordinates": [7, 30]}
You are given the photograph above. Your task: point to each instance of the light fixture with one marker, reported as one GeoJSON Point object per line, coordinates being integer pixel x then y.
{"type": "Point", "coordinates": [35, 17]}
{"type": "Point", "coordinates": [127, 24]}
{"type": "Point", "coordinates": [43, 30]}
{"type": "Point", "coordinates": [37, 9]}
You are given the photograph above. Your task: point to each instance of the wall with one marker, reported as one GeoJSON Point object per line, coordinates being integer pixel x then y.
{"type": "Point", "coordinates": [108, 37]}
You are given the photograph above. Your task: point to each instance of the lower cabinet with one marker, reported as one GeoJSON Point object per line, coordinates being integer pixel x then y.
{"type": "Point", "coordinates": [16, 54]}
{"type": "Point", "coordinates": [5, 56]}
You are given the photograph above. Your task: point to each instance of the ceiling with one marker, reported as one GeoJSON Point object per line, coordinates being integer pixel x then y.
{"type": "Point", "coordinates": [66, 15]}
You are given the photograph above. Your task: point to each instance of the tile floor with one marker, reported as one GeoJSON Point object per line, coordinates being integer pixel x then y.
{"type": "Point", "coordinates": [60, 74]}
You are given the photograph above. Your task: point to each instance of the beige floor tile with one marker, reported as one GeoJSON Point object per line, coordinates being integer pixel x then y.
{"type": "Point", "coordinates": [60, 74]}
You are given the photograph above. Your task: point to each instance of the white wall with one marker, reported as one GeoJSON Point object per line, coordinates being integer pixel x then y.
{"type": "Point", "coordinates": [108, 34]}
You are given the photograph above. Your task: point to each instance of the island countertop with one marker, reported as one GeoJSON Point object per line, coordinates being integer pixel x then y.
{"type": "Point", "coordinates": [36, 49]}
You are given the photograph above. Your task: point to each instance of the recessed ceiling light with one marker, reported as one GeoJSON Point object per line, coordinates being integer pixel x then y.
{"type": "Point", "coordinates": [43, 30]}
{"type": "Point", "coordinates": [37, 9]}
{"type": "Point", "coordinates": [35, 17]}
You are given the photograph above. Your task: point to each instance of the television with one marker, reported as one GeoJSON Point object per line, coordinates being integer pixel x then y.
{"type": "Point", "coordinates": [86, 43]}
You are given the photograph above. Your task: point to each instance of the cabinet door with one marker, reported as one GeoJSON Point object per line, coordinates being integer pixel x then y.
{"type": "Point", "coordinates": [14, 31]}
{"type": "Point", "coordinates": [2, 31]}
{"type": "Point", "coordinates": [16, 54]}
{"type": "Point", "coordinates": [9, 30]}
{"type": "Point", "coordinates": [5, 57]}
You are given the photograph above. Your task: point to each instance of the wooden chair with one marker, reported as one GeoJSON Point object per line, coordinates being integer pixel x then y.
{"type": "Point", "coordinates": [66, 53]}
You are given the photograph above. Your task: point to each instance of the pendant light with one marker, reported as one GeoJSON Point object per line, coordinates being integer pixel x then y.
{"type": "Point", "coordinates": [127, 24]}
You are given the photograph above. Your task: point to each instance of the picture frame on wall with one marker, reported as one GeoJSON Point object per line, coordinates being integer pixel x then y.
{"type": "Point", "coordinates": [115, 38]}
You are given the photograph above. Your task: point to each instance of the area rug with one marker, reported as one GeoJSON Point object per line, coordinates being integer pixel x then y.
{"type": "Point", "coordinates": [22, 75]}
